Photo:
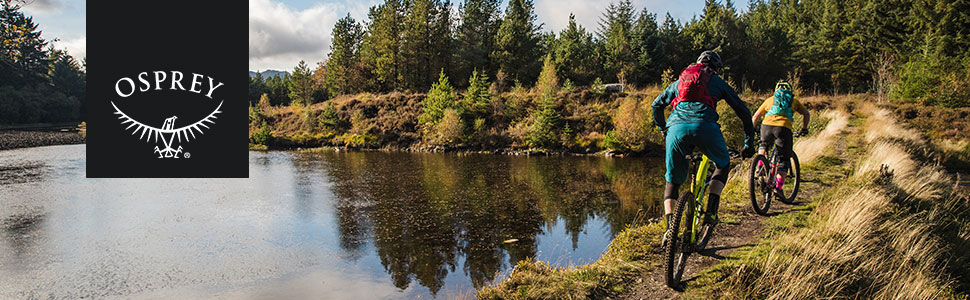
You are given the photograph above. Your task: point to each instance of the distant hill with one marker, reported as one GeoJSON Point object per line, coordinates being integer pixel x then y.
{"type": "Point", "coordinates": [270, 73]}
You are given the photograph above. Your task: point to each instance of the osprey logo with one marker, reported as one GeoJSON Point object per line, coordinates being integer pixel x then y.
{"type": "Point", "coordinates": [168, 134]}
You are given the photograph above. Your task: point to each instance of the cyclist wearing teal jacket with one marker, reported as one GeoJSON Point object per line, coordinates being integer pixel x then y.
{"type": "Point", "coordinates": [693, 124]}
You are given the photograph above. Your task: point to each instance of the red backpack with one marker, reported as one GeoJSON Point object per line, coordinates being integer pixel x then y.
{"type": "Point", "coordinates": [692, 86]}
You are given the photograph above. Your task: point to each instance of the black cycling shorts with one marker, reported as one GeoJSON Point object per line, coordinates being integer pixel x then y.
{"type": "Point", "coordinates": [782, 138]}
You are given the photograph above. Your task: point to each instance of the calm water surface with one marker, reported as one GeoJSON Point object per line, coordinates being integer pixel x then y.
{"type": "Point", "coordinates": [330, 225]}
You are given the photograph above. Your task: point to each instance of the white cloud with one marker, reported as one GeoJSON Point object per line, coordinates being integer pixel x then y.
{"type": "Point", "coordinates": [279, 37]}
{"type": "Point", "coordinates": [555, 14]}
{"type": "Point", "coordinates": [75, 47]}
{"type": "Point", "coordinates": [43, 6]}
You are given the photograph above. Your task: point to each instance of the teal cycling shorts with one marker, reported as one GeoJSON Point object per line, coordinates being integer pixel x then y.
{"type": "Point", "coordinates": [683, 138]}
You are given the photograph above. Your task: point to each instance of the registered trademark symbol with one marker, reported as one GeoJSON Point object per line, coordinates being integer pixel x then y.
{"type": "Point", "coordinates": [187, 155]}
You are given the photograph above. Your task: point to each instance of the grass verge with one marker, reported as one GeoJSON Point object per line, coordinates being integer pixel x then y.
{"type": "Point", "coordinates": [892, 228]}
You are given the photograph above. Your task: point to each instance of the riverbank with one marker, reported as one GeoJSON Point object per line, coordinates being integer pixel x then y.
{"type": "Point", "coordinates": [877, 217]}
{"type": "Point", "coordinates": [581, 121]}
{"type": "Point", "coordinates": [12, 139]}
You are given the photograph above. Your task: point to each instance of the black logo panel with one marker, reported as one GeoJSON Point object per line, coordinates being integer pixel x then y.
{"type": "Point", "coordinates": [167, 84]}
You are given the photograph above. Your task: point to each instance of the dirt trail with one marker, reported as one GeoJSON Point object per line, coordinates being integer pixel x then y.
{"type": "Point", "coordinates": [749, 226]}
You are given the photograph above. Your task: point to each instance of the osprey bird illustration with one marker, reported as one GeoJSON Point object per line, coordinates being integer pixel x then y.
{"type": "Point", "coordinates": [168, 133]}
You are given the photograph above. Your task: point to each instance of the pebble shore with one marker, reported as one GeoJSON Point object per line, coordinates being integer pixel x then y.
{"type": "Point", "coordinates": [22, 139]}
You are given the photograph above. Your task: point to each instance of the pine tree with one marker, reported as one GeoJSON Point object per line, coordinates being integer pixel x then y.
{"type": "Point", "coordinates": [477, 98]}
{"type": "Point", "coordinates": [773, 58]}
{"type": "Point", "coordinates": [480, 20]}
{"type": "Point", "coordinates": [573, 53]}
{"type": "Point", "coordinates": [440, 97]}
{"type": "Point", "coordinates": [381, 48]}
{"type": "Point", "coordinates": [674, 49]}
{"type": "Point", "coordinates": [719, 29]}
{"type": "Point", "coordinates": [256, 87]}
{"type": "Point", "coordinates": [66, 75]}
{"type": "Point", "coordinates": [548, 80]}
{"type": "Point", "coordinates": [517, 49]}
{"type": "Point", "coordinates": [425, 42]}
{"type": "Point", "coordinates": [645, 40]}
{"type": "Point", "coordinates": [616, 24]}
{"type": "Point", "coordinates": [24, 54]}
{"type": "Point", "coordinates": [342, 73]}
{"type": "Point", "coordinates": [300, 84]}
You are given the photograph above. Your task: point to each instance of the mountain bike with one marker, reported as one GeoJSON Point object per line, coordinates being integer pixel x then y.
{"type": "Point", "coordinates": [693, 233]}
{"type": "Point", "coordinates": [761, 180]}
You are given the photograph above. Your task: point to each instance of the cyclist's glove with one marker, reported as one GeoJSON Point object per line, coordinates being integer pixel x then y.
{"type": "Point", "coordinates": [747, 152]}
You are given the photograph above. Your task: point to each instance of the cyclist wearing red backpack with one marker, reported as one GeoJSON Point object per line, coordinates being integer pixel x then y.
{"type": "Point", "coordinates": [777, 127]}
{"type": "Point", "coordinates": [693, 124]}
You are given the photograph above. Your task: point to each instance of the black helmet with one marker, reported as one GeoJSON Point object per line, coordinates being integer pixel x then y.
{"type": "Point", "coordinates": [710, 58]}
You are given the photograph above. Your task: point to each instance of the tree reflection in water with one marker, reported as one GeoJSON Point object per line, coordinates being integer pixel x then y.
{"type": "Point", "coordinates": [424, 212]}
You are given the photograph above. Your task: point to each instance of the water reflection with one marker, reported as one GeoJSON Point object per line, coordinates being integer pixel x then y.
{"type": "Point", "coordinates": [426, 211]}
{"type": "Point", "coordinates": [308, 225]}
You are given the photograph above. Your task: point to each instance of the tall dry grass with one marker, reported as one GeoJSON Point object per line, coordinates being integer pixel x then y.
{"type": "Point", "coordinates": [809, 148]}
{"type": "Point", "coordinates": [890, 231]}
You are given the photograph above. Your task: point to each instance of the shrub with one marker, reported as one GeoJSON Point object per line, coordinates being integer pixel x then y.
{"type": "Point", "coordinates": [597, 89]}
{"type": "Point", "coordinates": [261, 136]}
{"type": "Point", "coordinates": [932, 81]}
{"type": "Point", "coordinates": [633, 126]}
{"type": "Point", "coordinates": [611, 141]}
{"type": "Point", "coordinates": [359, 125]}
{"type": "Point", "coordinates": [356, 140]}
{"type": "Point", "coordinates": [263, 102]}
{"type": "Point", "coordinates": [477, 98]}
{"type": "Point", "coordinates": [667, 78]}
{"type": "Point", "coordinates": [308, 118]}
{"type": "Point", "coordinates": [543, 132]}
{"type": "Point", "coordinates": [450, 130]}
{"type": "Point", "coordinates": [568, 86]}
{"type": "Point", "coordinates": [441, 97]}
{"type": "Point", "coordinates": [329, 118]}
{"type": "Point", "coordinates": [255, 116]}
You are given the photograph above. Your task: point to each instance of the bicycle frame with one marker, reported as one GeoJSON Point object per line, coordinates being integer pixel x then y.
{"type": "Point", "coordinates": [699, 190]}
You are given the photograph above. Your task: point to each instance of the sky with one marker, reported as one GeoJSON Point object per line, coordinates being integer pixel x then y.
{"type": "Point", "coordinates": [283, 32]}
{"type": "Point", "coordinates": [63, 21]}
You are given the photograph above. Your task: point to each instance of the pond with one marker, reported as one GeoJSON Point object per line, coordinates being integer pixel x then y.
{"type": "Point", "coordinates": [338, 225]}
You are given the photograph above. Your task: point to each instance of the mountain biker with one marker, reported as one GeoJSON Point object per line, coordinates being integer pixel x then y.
{"type": "Point", "coordinates": [777, 127]}
{"type": "Point", "coordinates": [693, 123]}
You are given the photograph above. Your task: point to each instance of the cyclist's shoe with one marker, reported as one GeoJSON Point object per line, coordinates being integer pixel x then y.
{"type": "Point", "coordinates": [779, 191]}
{"type": "Point", "coordinates": [669, 232]}
{"type": "Point", "coordinates": [711, 220]}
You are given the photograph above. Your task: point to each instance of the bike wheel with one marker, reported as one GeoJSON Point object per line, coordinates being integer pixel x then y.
{"type": "Point", "coordinates": [678, 246]}
{"type": "Point", "coordinates": [793, 180]}
{"type": "Point", "coordinates": [759, 185]}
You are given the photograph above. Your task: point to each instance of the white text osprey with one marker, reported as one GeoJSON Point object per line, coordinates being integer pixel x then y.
{"type": "Point", "coordinates": [164, 80]}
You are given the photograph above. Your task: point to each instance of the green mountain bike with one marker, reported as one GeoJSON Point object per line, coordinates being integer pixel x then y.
{"type": "Point", "coordinates": [761, 181]}
{"type": "Point", "coordinates": [690, 232]}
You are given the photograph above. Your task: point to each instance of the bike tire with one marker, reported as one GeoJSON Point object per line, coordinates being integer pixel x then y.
{"type": "Point", "coordinates": [793, 180]}
{"type": "Point", "coordinates": [705, 234]}
{"type": "Point", "coordinates": [757, 185]}
{"type": "Point", "coordinates": [676, 253]}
